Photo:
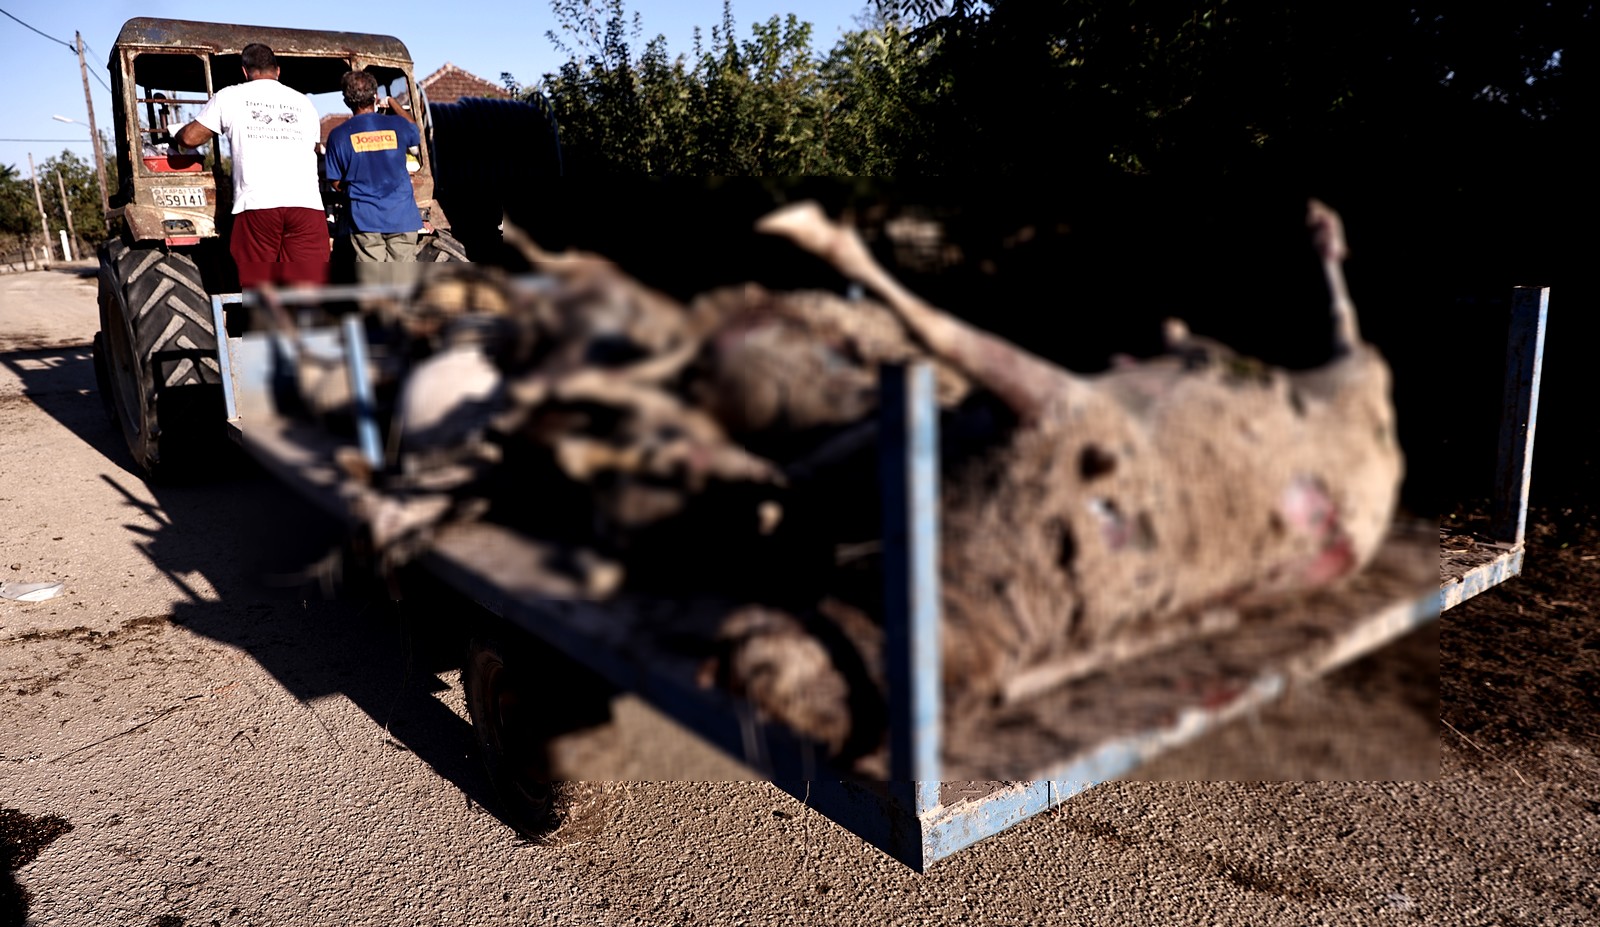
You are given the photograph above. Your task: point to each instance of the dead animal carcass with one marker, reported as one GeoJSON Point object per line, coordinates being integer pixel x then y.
{"type": "Point", "coordinates": [1121, 505]}
{"type": "Point", "coordinates": [1104, 516]}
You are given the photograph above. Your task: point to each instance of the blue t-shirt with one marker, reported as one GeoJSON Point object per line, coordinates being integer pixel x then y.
{"type": "Point", "coordinates": [368, 153]}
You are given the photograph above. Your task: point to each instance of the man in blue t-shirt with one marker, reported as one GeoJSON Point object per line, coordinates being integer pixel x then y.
{"type": "Point", "coordinates": [366, 160]}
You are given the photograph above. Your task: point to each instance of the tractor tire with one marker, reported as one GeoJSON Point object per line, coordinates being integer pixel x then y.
{"type": "Point", "coordinates": [158, 357]}
{"type": "Point", "coordinates": [102, 377]}
{"type": "Point", "coordinates": [441, 246]}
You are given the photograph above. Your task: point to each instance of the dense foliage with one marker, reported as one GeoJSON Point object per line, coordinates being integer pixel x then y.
{"type": "Point", "coordinates": [768, 104]}
{"type": "Point", "coordinates": [1021, 86]}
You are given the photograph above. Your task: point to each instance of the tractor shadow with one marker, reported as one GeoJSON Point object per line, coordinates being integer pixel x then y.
{"type": "Point", "coordinates": [276, 593]}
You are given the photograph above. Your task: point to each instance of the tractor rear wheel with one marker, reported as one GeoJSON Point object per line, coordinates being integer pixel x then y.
{"type": "Point", "coordinates": [158, 356]}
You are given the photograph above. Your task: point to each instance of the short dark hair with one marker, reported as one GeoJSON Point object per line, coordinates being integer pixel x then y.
{"type": "Point", "coordinates": [360, 89]}
{"type": "Point", "coordinates": [258, 58]}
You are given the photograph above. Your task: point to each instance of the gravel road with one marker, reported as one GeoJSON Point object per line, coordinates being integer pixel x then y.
{"type": "Point", "coordinates": [184, 741]}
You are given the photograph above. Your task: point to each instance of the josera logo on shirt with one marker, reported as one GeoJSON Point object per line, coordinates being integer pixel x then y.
{"type": "Point", "coordinates": [383, 140]}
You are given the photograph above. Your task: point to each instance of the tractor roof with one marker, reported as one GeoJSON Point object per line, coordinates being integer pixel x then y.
{"type": "Point", "coordinates": [231, 38]}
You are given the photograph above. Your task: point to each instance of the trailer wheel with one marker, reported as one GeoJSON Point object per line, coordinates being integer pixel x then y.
{"type": "Point", "coordinates": [158, 356]}
{"type": "Point", "coordinates": [505, 716]}
{"type": "Point", "coordinates": [441, 246]}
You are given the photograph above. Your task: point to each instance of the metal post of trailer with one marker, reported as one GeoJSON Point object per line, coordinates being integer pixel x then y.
{"type": "Point", "coordinates": [1524, 361]}
{"type": "Point", "coordinates": [355, 348]}
{"type": "Point", "coordinates": [224, 356]}
{"type": "Point", "coordinates": [895, 815]}
{"type": "Point", "coordinates": [1519, 414]}
{"type": "Point", "coordinates": [909, 464]}
{"type": "Point", "coordinates": [909, 819]}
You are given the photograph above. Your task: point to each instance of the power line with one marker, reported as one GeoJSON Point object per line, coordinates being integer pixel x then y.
{"type": "Point", "coordinates": [50, 37]}
{"type": "Point", "coordinates": [71, 47]}
{"type": "Point", "coordinates": [95, 73]}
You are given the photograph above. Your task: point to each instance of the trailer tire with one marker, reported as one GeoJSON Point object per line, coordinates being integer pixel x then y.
{"type": "Point", "coordinates": [504, 712]}
{"type": "Point", "coordinates": [158, 357]}
{"type": "Point", "coordinates": [440, 246]}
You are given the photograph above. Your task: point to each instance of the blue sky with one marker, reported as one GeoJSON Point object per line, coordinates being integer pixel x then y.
{"type": "Point", "coordinates": [41, 77]}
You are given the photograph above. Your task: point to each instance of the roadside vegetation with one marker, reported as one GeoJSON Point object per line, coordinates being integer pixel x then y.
{"type": "Point", "coordinates": [19, 209]}
{"type": "Point", "coordinates": [1082, 87]}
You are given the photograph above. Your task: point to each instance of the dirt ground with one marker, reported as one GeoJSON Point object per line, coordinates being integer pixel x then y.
{"type": "Point", "coordinates": [190, 737]}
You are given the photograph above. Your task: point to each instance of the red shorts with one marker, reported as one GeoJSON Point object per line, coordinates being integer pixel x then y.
{"type": "Point", "coordinates": [286, 244]}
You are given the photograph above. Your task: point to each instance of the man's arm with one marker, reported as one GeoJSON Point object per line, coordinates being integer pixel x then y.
{"type": "Point", "coordinates": [415, 137]}
{"type": "Point", "coordinates": [203, 127]}
{"type": "Point", "coordinates": [395, 109]}
{"type": "Point", "coordinates": [193, 135]}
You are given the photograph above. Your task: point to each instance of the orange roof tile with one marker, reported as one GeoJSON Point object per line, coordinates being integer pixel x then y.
{"type": "Point", "coordinates": [450, 83]}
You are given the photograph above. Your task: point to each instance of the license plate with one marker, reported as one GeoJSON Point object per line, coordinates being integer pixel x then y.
{"type": "Point", "coordinates": [179, 196]}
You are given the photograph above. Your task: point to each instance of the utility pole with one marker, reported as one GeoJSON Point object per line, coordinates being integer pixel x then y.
{"type": "Point", "coordinates": [38, 200]}
{"type": "Point", "coordinates": [99, 154]}
{"type": "Point", "coordinates": [67, 208]}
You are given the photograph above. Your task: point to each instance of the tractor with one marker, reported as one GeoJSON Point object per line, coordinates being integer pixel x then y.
{"type": "Point", "coordinates": [156, 354]}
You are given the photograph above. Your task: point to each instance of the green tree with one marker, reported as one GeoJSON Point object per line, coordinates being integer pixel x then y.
{"type": "Point", "coordinates": [733, 108]}
{"type": "Point", "coordinates": [83, 195]}
{"type": "Point", "coordinates": [1214, 87]}
{"type": "Point", "coordinates": [877, 91]}
{"type": "Point", "coordinates": [765, 105]}
{"type": "Point", "coordinates": [19, 217]}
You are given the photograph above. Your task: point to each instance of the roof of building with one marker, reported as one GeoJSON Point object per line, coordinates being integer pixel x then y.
{"type": "Point", "coordinates": [332, 121]}
{"type": "Point", "coordinates": [450, 83]}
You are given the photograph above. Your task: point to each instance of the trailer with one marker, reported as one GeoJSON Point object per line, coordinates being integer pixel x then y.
{"type": "Point", "coordinates": [926, 794]}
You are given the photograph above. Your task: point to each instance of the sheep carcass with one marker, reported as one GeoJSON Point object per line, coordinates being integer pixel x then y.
{"type": "Point", "coordinates": [1139, 495]}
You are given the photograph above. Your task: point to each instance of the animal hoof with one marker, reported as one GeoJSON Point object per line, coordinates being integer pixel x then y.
{"type": "Point", "coordinates": [1327, 230]}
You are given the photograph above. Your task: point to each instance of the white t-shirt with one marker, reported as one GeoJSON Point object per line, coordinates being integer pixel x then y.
{"type": "Point", "coordinates": [273, 131]}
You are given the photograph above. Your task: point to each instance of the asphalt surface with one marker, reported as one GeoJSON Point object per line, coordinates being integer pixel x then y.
{"type": "Point", "coordinates": [185, 740]}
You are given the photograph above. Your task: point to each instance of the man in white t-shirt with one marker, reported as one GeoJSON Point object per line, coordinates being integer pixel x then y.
{"type": "Point", "coordinates": [280, 232]}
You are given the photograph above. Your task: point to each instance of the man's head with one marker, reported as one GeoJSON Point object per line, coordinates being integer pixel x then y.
{"type": "Point", "coordinates": [259, 62]}
{"type": "Point", "coordinates": [360, 90]}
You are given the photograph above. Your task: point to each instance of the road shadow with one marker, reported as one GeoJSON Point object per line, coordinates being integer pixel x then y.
{"type": "Point", "coordinates": [60, 382]}
{"type": "Point", "coordinates": [244, 552]}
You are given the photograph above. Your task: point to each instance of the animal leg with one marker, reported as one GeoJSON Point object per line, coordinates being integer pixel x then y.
{"type": "Point", "coordinates": [1024, 381]}
{"type": "Point", "coordinates": [566, 265]}
{"type": "Point", "coordinates": [1328, 236]}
